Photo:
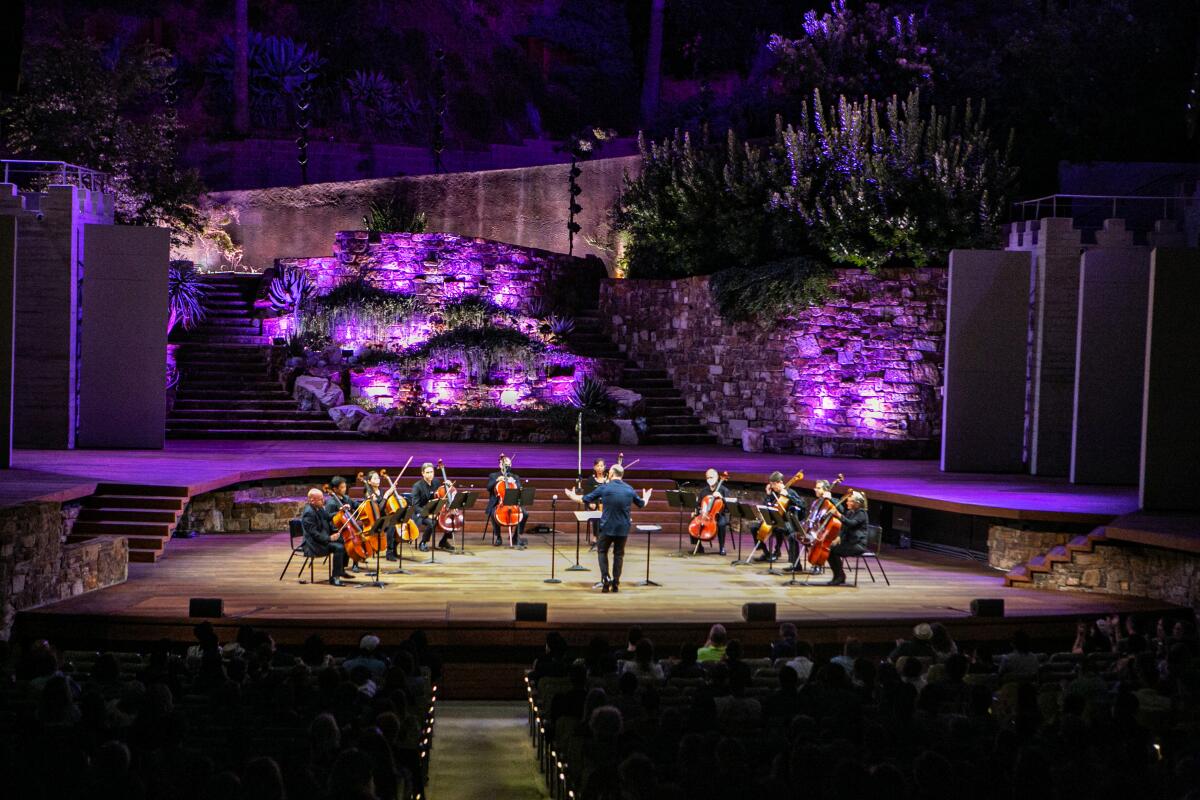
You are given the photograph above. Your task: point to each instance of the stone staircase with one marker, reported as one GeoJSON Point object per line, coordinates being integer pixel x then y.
{"type": "Point", "coordinates": [1025, 574]}
{"type": "Point", "coordinates": [145, 514]}
{"type": "Point", "coordinates": [668, 416]}
{"type": "Point", "coordinates": [225, 390]}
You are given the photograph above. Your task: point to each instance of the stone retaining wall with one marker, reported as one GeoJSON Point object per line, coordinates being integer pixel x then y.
{"type": "Point", "coordinates": [38, 567]}
{"type": "Point", "coordinates": [1129, 569]}
{"type": "Point", "coordinates": [860, 375]}
{"type": "Point", "coordinates": [1010, 547]}
{"type": "Point", "coordinates": [264, 509]}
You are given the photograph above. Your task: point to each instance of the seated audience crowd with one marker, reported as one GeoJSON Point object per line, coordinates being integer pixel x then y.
{"type": "Point", "coordinates": [241, 719]}
{"type": "Point", "coordinates": [1115, 716]}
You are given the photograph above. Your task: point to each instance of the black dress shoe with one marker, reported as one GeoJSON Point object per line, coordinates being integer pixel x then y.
{"type": "Point", "coordinates": [391, 556]}
{"type": "Point", "coordinates": [424, 548]}
{"type": "Point", "coordinates": [444, 545]}
{"type": "Point", "coordinates": [616, 587]}
{"type": "Point", "coordinates": [607, 588]}
{"type": "Point", "coordinates": [335, 580]}
{"type": "Point", "coordinates": [354, 568]}
{"type": "Point", "coordinates": [496, 543]}
{"type": "Point", "coordinates": [722, 551]}
{"type": "Point", "coordinates": [837, 582]}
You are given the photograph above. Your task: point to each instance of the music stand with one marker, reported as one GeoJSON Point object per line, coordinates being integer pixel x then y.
{"type": "Point", "coordinates": [397, 520]}
{"type": "Point", "coordinates": [464, 501]}
{"type": "Point", "coordinates": [649, 529]}
{"type": "Point", "coordinates": [684, 501]}
{"type": "Point", "coordinates": [743, 511]}
{"type": "Point", "coordinates": [766, 515]}
{"type": "Point", "coordinates": [523, 500]}
{"type": "Point", "coordinates": [581, 517]}
{"type": "Point", "coordinates": [430, 511]}
{"type": "Point", "coordinates": [776, 519]}
{"type": "Point", "coordinates": [553, 539]}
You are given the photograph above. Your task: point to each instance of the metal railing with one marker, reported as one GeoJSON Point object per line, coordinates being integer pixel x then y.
{"type": "Point", "coordinates": [35, 176]}
{"type": "Point", "coordinates": [1077, 205]}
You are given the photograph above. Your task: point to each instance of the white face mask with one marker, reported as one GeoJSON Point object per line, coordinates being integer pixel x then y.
{"type": "Point", "coordinates": [712, 482]}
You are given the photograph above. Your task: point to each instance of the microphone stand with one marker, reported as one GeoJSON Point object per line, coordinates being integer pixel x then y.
{"type": "Point", "coordinates": [553, 538]}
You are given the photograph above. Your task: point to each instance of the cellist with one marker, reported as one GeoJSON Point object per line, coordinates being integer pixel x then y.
{"type": "Point", "coordinates": [853, 537]}
{"type": "Point", "coordinates": [320, 537]}
{"type": "Point", "coordinates": [775, 490]}
{"type": "Point", "coordinates": [513, 480]}
{"type": "Point", "coordinates": [338, 499]}
{"type": "Point", "coordinates": [711, 479]}
{"type": "Point", "coordinates": [423, 492]}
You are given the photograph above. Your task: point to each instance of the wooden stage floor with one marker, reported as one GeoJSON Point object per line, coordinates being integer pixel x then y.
{"type": "Point", "coordinates": [466, 596]}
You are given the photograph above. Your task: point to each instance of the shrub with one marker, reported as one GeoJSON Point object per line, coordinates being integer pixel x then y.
{"type": "Point", "coordinates": [695, 209]}
{"type": "Point", "coordinates": [394, 214]}
{"type": "Point", "coordinates": [479, 350]}
{"type": "Point", "coordinates": [362, 305]}
{"type": "Point", "coordinates": [882, 184]}
{"type": "Point", "coordinates": [473, 312]}
{"type": "Point", "coordinates": [768, 293]}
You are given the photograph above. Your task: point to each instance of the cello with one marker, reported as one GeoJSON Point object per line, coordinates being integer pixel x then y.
{"type": "Point", "coordinates": [781, 504]}
{"type": "Point", "coordinates": [448, 519]}
{"type": "Point", "coordinates": [830, 528]}
{"type": "Point", "coordinates": [703, 526]}
{"type": "Point", "coordinates": [346, 523]}
{"type": "Point", "coordinates": [367, 517]}
{"type": "Point", "coordinates": [394, 502]}
{"type": "Point", "coordinates": [507, 515]}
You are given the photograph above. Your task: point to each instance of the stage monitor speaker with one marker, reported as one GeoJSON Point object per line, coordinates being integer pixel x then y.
{"type": "Point", "coordinates": [758, 612]}
{"type": "Point", "coordinates": [987, 608]}
{"type": "Point", "coordinates": [531, 612]}
{"type": "Point", "coordinates": [206, 607]}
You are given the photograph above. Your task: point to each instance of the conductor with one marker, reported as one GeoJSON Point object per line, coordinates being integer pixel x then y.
{"type": "Point", "coordinates": [618, 498]}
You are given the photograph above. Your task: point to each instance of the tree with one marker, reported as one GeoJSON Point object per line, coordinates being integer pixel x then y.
{"type": "Point", "coordinates": [652, 77]}
{"type": "Point", "coordinates": [104, 108]}
{"type": "Point", "coordinates": [241, 68]}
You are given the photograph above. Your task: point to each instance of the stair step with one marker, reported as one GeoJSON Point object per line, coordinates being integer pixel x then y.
{"type": "Point", "coordinates": [240, 433]}
{"type": "Point", "coordinates": [214, 395]}
{"type": "Point", "coordinates": [309, 422]}
{"type": "Point", "coordinates": [667, 392]}
{"type": "Point", "coordinates": [140, 490]}
{"type": "Point", "coordinates": [143, 529]}
{"type": "Point", "coordinates": [237, 405]}
{"type": "Point", "coordinates": [118, 501]}
{"type": "Point", "coordinates": [144, 556]}
{"type": "Point", "coordinates": [126, 515]}
{"type": "Point", "coordinates": [226, 339]}
{"type": "Point", "coordinates": [212, 414]}
{"type": "Point", "coordinates": [638, 384]}
{"type": "Point", "coordinates": [224, 383]}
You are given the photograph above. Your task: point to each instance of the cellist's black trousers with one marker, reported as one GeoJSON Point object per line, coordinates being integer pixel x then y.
{"type": "Point", "coordinates": [840, 552]}
{"type": "Point", "coordinates": [617, 543]}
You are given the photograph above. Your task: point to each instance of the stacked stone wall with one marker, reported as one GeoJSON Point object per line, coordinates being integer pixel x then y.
{"type": "Point", "coordinates": [859, 375]}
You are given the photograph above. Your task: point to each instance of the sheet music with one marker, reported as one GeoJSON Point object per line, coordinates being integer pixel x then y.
{"type": "Point", "coordinates": [584, 516]}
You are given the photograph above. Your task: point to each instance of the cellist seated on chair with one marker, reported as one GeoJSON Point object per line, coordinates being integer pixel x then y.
{"type": "Point", "coordinates": [853, 538]}
{"type": "Point", "coordinates": [339, 496]}
{"type": "Point", "coordinates": [423, 492]}
{"type": "Point", "coordinates": [711, 479]}
{"type": "Point", "coordinates": [777, 488]}
{"type": "Point", "coordinates": [320, 539]}
{"type": "Point", "coordinates": [513, 481]}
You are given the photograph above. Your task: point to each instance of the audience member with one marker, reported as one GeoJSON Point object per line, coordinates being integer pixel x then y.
{"type": "Point", "coordinates": [714, 648]}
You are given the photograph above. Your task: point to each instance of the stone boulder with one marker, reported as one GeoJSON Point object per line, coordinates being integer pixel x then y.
{"type": "Point", "coordinates": [628, 434]}
{"type": "Point", "coordinates": [378, 425]}
{"type": "Point", "coordinates": [624, 398]}
{"type": "Point", "coordinates": [317, 394]}
{"type": "Point", "coordinates": [752, 440]}
{"type": "Point", "coordinates": [347, 417]}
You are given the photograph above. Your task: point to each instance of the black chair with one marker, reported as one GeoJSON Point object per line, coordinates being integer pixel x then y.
{"type": "Point", "coordinates": [874, 544]}
{"type": "Point", "coordinates": [296, 531]}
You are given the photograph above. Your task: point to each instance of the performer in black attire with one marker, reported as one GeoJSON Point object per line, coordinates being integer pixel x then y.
{"type": "Point", "coordinates": [319, 536]}
{"type": "Point", "coordinates": [423, 492]}
{"type": "Point", "coordinates": [852, 539]}
{"type": "Point", "coordinates": [617, 497]}
{"type": "Point", "coordinates": [712, 479]}
{"type": "Point", "coordinates": [339, 495]}
{"type": "Point", "coordinates": [777, 488]}
{"type": "Point", "coordinates": [494, 478]}
{"type": "Point", "coordinates": [598, 477]}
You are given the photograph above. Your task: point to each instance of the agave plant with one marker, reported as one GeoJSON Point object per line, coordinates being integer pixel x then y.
{"type": "Point", "coordinates": [289, 292]}
{"type": "Point", "coordinates": [185, 295]}
{"type": "Point", "coordinates": [561, 327]}
{"type": "Point", "coordinates": [538, 308]}
{"type": "Point", "coordinates": [591, 395]}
